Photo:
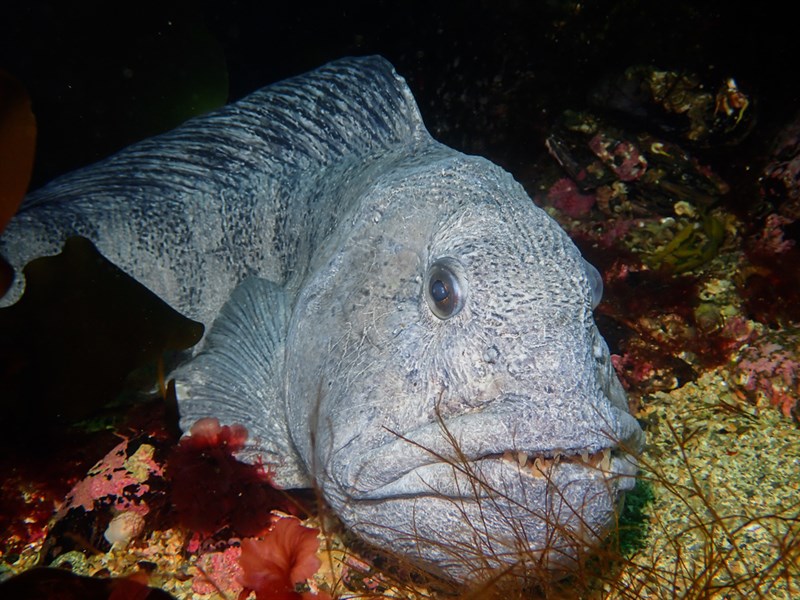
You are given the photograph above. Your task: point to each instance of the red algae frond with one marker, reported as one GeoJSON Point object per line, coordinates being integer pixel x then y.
{"type": "Point", "coordinates": [212, 490]}
{"type": "Point", "coordinates": [284, 558]}
{"type": "Point", "coordinates": [208, 433]}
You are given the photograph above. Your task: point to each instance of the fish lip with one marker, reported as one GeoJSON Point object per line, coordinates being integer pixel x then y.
{"type": "Point", "coordinates": [493, 474]}
{"type": "Point", "coordinates": [460, 441]}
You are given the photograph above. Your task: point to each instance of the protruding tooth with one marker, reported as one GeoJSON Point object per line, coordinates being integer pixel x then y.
{"type": "Point", "coordinates": [605, 463]}
{"type": "Point", "coordinates": [522, 458]}
{"type": "Point", "coordinates": [585, 456]}
{"type": "Point", "coordinates": [596, 457]}
{"type": "Point", "coordinates": [539, 467]}
{"type": "Point", "coordinates": [507, 455]}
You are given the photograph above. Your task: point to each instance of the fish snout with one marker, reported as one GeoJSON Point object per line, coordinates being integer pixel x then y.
{"type": "Point", "coordinates": [591, 437]}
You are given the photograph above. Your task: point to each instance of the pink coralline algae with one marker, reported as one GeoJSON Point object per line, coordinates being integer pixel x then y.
{"type": "Point", "coordinates": [771, 240]}
{"type": "Point", "coordinates": [770, 370]}
{"type": "Point", "coordinates": [621, 156]}
{"type": "Point", "coordinates": [119, 480]}
{"type": "Point", "coordinates": [780, 178]}
{"type": "Point", "coordinates": [564, 196]}
{"type": "Point", "coordinates": [632, 371]}
{"type": "Point", "coordinates": [219, 572]}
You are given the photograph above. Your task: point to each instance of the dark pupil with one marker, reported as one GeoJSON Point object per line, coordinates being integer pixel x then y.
{"type": "Point", "coordinates": [439, 291]}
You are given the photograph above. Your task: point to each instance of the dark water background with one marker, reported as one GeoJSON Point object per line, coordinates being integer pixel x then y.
{"type": "Point", "coordinates": [489, 75]}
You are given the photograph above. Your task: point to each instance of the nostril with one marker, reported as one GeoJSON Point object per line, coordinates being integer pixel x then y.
{"type": "Point", "coordinates": [491, 354]}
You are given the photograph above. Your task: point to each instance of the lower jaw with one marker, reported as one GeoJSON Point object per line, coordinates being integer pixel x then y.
{"type": "Point", "coordinates": [503, 521]}
{"type": "Point", "coordinates": [484, 539]}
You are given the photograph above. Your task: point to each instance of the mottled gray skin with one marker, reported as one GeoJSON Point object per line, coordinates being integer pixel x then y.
{"type": "Point", "coordinates": [313, 210]}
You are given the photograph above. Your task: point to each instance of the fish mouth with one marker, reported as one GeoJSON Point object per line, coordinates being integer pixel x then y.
{"type": "Point", "coordinates": [502, 473]}
{"type": "Point", "coordinates": [542, 466]}
{"type": "Point", "coordinates": [446, 458]}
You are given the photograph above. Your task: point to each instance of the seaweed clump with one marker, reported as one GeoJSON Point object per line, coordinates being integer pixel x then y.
{"type": "Point", "coordinates": [285, 558]}
{"type": "Point", "coordinates": [211, 490]}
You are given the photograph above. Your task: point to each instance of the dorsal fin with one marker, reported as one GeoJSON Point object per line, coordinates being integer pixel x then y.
{"type": "Point", "coordinates": [352, 106]}
{"type": "Point", "coordinates": [192, 212]}
{"type": "Point", "coordinates": [238, 378]}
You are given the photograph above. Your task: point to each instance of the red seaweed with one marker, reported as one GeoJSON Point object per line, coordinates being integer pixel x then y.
{"type": "Point", "coordinates": [285, 557]}
{"type": "Point", "coordinates": [212, 490]}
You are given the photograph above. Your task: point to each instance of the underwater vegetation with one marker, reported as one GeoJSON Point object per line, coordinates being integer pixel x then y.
{"type": "Point", "coordinates": [688, 532]}
{"type": "Point", "coordinates": [768, 372]}
{"type": "Point", "coordinates": [696, 275]}
{"type": "Point", "coordinates": [284, 558]}
{"type": "Point", "coordinates": [211, 490]}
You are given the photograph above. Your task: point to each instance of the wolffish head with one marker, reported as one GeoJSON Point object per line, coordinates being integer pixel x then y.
{"type": "Point", "coordinates": [465, 411]}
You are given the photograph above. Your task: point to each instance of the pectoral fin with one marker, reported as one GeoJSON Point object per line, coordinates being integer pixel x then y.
{"type": "Point", "coordinates": [238, 378]}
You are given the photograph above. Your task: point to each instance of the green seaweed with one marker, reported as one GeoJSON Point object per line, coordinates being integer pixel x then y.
{"type": "Point", "coordinates": [694, 245]}
{"type": "Point", "coordinates": [632, 526]}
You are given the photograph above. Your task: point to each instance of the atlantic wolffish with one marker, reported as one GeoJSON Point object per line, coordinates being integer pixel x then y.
{"type": "Point", "coordinates": [391, 319]}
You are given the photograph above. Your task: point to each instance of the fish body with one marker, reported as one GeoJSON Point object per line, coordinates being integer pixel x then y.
{"type": "Point", "coordinates": [394, 321]}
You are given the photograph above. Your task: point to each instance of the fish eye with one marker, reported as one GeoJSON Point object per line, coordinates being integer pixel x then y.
{"type": "Point", "coordinates": [445, 289]}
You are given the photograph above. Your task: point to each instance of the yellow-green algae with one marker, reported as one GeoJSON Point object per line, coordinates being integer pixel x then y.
{"type": "Point", "coordinates": [725, 519]}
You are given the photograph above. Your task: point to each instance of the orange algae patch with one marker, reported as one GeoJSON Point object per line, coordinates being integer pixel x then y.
{"type": "Point", "coordinates": [17, 145]}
